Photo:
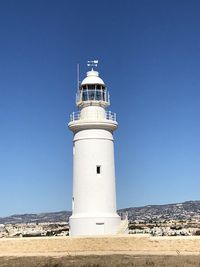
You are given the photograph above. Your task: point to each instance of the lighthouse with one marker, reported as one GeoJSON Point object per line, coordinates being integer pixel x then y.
{"type": "Point", "coordinates": [94, 190]}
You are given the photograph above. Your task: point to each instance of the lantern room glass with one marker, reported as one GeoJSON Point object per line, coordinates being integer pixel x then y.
{"type": "Point", "coordinates": [93, 92]}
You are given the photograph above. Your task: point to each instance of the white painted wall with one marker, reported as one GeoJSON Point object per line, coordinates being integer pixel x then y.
{"type": "Point", "coordinates": [93, 148]}
{"type": "Point", "coordinates": [94, 194]}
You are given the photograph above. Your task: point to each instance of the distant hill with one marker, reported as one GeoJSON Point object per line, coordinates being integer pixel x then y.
{"type": "Point", "coordinates": [177, 211]}
{"type": "Point", "coordinates": [61, 216]}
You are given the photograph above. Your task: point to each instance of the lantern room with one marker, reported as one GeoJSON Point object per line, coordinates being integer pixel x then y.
{"type": "Point", "coordinates": [92, 91]}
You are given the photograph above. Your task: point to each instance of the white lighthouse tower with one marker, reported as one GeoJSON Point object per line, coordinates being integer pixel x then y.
{"type": "Point", "coordinates": [94, 194]}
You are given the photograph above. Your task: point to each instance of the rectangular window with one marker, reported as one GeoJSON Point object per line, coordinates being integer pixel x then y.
{"type": "Point", "coordinates": [98, 169]}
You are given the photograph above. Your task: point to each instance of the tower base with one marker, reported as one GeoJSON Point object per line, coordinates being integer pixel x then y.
{"type": "Point", "coordinates": [94, 225]}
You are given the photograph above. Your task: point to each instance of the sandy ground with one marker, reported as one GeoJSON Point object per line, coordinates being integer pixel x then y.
{"type": "Point", "coordinates": [121, 244]}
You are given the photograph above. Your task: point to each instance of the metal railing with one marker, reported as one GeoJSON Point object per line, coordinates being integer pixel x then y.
{"type": "Point", "coordinates": [74, 116]}
{"type": "Point", "coordinates": [110, 115]}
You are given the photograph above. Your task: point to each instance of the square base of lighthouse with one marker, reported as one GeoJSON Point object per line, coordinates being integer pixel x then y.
{"type": "Point", "coordinates": [94, 225]}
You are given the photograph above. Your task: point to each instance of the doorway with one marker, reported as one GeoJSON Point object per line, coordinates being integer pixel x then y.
{"type": "Point", "coordinates": [100, 228]}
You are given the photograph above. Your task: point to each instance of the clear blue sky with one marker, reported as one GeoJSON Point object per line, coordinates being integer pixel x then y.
{"type": "Point", "coordinates": [149, 53]}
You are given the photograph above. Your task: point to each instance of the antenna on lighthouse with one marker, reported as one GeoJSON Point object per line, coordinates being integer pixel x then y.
{"type": "Point", "coordinates": [78, 78]}
{"type": "Point", "coordinates": [92, 63]}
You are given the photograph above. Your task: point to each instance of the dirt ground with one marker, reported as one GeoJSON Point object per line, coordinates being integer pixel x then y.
{"type": "Point", "coordinates": [107, 245]}
{"type": "Point", "coordinates": [102, 261]}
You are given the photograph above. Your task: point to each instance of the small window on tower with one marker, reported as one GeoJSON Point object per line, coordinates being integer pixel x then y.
{"type": "Point", "coordinates": [98, 169]}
